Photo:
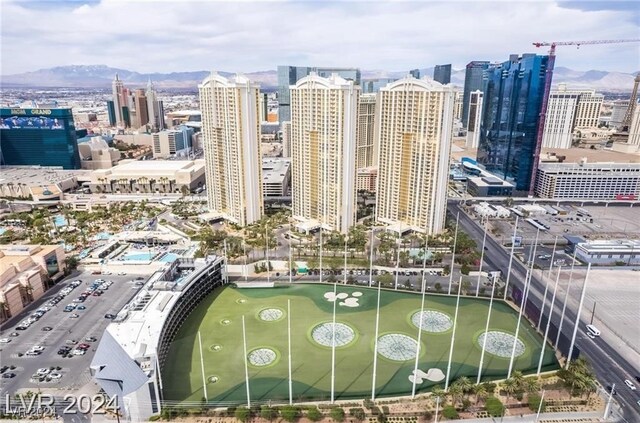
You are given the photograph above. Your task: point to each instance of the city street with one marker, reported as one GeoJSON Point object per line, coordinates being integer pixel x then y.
{"type": "Point", "coordinates": [608, 365]}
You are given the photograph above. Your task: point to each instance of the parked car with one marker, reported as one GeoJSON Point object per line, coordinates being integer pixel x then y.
{"type": "Point", "coordinates": [109, 316]}
{"type": "Point", "coordinates": [47, 329]}
{"type": "Point", "coordinates": [74, 316]}
{"type": "Point", "coordinates": [5, 340]}
{"type": "Point", "coordinates": [8, 375]}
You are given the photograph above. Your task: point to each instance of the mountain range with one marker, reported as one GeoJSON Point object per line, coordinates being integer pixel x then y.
{"type": "Point", "coordinates": [100, 76]}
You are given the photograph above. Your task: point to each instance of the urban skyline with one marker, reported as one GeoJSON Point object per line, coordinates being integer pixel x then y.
{"type": "Point", "coordinates": [374, 44]}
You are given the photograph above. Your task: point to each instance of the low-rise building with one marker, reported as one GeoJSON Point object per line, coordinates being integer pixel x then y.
{"type": "Point", "coordinates": [609, 252]}
{"type": "Point", "coordinates": [489, 186]}
{"type": "Point", "coordinates": [25, 274]}
{"type": "Point", "coordinates": [585, 181]}
{"type": "Point", "coordinates": [276, 177]}
{"type": "Point", "coordinates": [96, 154]}
{"type": "Point", "coordinates": [173, 142]}
{"type": "Point", "coordinates": [40, 183]}
{"type": "Point", "coordinates": [131, 176]}
{"type": "Point", "coordinates": [367, 178]}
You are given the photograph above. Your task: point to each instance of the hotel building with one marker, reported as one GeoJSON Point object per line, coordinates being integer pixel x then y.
{"type": "Point", "coordinates": [413, 133]}
{"type": "Point", "coordinates": [323, 150]}
{"type": "Point", "coordinates": [231, 129]}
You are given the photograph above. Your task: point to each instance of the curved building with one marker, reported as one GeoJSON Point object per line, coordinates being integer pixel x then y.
{"type": "Point", "coordinates": [132, 352]}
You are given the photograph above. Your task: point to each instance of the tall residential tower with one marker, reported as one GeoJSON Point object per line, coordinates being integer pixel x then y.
{"type": "Point", "coordinates": [323, 150]}
{"type": "Point", "coordinates": [413, 130]}
{"type": "Point", "coordinates": [231, 130]}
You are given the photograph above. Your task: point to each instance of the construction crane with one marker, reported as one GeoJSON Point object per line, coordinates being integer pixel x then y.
{"type": "Point", "coordinates": [547, 91]}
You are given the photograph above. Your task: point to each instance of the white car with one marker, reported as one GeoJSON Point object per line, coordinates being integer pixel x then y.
{"type": "Point", "coordinates": [55, 375]}
{"type": "Point", "coordinates": [43, 371]}
{"type": "Point", "coordinates": [122, 273]}
{"type": "Point", "coordinates": [37, 348]}
{"type": "Point", "coordinates": [630, 384]}
{"type": "Point", "coordinates": [5, 340]}
{"type": "Point", "coordinates": [79, 352]}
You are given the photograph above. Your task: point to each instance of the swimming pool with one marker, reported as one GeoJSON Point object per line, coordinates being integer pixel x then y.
{"type": "Point", "coordinates": [59, 220]}
{"type": "Point", "coordinates": [2, 230]}
{"type": "Point", "coordinates": [168, 258]}
{"type": "Point", "coordinates": [137, 256]}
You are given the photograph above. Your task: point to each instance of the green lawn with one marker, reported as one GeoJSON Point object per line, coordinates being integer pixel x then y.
{"type": "Point", "coordinates": [219, 319]}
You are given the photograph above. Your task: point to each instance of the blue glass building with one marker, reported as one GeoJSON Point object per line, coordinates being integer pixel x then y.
{"type": "Point", "coordinates": [111, 110]}
{"type": "Point", "coordinates": [442, 74]}
{"type": "Point", "coordinates": [45, 137]}
{"type": "Point", "coordinates": [472, 82]}
{"type": "Point", "coordinates": [513, 94]}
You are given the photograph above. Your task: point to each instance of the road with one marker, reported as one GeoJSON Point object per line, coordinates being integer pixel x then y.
{"type": "Point", "coordinates": [609, 366]}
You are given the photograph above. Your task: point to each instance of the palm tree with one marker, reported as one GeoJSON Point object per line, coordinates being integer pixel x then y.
{"type": "Point", "coordinates": [481, 392]}
{"type": "Point", "coordinates": [510, 387]}
{"type": "Point", "coordinates": [438, 394]}
{"type": "Point", "coordinates": [531, 385]}
{"type": "Point", "coordinates": [464, 383]}
{"type": "Point", "coordinates": [456, 393]}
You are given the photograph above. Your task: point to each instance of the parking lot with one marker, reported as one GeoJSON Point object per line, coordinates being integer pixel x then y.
{"type": "Point", "coordinates": [612, 222]}
{"type": "Point", "coordinates": [615, 294]}
{"type": "Point", "coordinates": [35, 357]}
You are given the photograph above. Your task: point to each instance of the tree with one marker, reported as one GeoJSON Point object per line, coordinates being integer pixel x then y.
{"type": "Point", "coordinates": [438, 394]}
{"type": "Point", "coordinates": [509, 386]}
{"type": "Point", "coordinates": [71, 262]}
{"type": "Point", "coordinates": [534, 403]}
{"type": "Point", "coordinates": [456, 393]}
{"type": "Point", "coordinates": [480, 392]}
{"type": "Point", "coordinates": [314, 414]}
{"type": "Point", "coordinates": [464, 383]}
{"type": "Point", "coordinates": [337, 414]}
{"type": "Point", "coordinates": [242, 414]}
{"type": "Point", "coordinates": [438, 286]}
{"type": "Point", "coordinates": [357, 413]}
{"type": "Point", "coordinates": [494, 407]}
{"type": "Point", "coordinates": [268, 413]}
{"type": "Point", "coordinates": [384, 279]}
{"type": "Point", "coordinates": [290, 413]}
{"type": "Point", "coordinates": [450, 412]}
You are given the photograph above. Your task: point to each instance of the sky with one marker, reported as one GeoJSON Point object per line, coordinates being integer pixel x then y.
{"type": "Point", "coordinates": [247, 36]}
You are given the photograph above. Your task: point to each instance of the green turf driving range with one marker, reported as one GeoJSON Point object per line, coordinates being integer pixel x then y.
{"type": "Point", "coordinates": [219, 320]}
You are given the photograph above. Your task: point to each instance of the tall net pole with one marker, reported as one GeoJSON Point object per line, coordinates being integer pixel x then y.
{"type": "Point", "coordinates": [513, 245]}
{"type": "Point", "coordinates": [566, 297]}
{"type": "Point", "coordinates": [415, 368]}
{"type": "Point", "coordinates": [484, 240]}
{"type": "Point", "coordinates": [246, 364]}
{"type": "Point", "coordinates": [453, 336]}
{"type": "Point", "coordinates": [577, 322]}
{"type": "Point", "coordinates": [453, 255]}
{"type": "Point", "coordinates": [486, 330]}
{"type": "Point", "coordinates": [546, 331]}
{"type": "Point", "coordinates": [375, 347]}
{"type": "Point", "coordinates": [289, 350]}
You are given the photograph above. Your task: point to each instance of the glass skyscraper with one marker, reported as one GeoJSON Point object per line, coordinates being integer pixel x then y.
{"type": "Point", "coordinates": [45, 137]}
{"type": "Point", "coordinates": [472, 82]}
{"type": "Point", "coordinates": [289, 75]}
{"type": "Point", "coordinates": [513, 92]}
{"type": "Point", "coordinates": [442, 74]}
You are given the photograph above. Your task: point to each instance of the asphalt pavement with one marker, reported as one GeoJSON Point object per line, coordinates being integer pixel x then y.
{"type": "Point", "coordinates": [608, 365]}
{"type": "Point", "coordinates": [91, 323]}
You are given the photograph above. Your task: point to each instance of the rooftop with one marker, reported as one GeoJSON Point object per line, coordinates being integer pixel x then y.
{"type": "Point", "coordinates": [138, 325]}
{"type": "Point", "coordinates": [573, 155]}
{"type": "Point", "coordinates": [274, 170]}
{"type": "Point", "coordinates": [38, 175]}
{"type": "Point", "coordinates": [153, 167]}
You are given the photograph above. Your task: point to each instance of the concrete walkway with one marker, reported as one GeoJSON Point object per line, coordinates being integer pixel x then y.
{"type": "Point", "coordinates": [583, 417]}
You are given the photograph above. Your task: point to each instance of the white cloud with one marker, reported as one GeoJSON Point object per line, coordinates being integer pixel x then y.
{"type": "Point", "coordinates": [246, 36]}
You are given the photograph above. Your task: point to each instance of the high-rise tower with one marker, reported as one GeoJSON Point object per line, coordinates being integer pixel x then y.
{"type": "Point", "coordinates": [472, 82]}
{"type": "Point", "coordinates": [231, 130]}
{"type": "Point", "coordinates": [323, 148]}
{"type": "Point", "coordinates": [365, 146]}
{"type": "Point", "coordinates": [442, 74]}
{"type": "Point", "coordinates": [119, 100]}
{"type": "Point", "coordinates": [513, 94]}
{"type": "Point", "coordinates": [413, 130]}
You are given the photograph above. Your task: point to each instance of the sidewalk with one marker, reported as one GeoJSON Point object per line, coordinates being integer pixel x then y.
{"type": "Point", "coordinates": [584, 417]}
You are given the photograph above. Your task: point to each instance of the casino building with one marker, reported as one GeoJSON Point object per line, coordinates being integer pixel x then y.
{"type": "Point", "coordinates": [45, 137]}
